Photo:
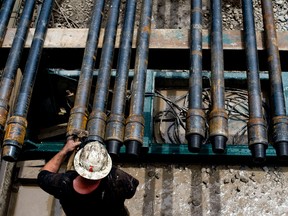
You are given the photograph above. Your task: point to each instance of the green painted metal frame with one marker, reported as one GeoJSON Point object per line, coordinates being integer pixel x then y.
{"type": "Point", "coordinates": [155, 150]}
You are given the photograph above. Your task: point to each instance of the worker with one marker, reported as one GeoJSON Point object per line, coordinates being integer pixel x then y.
{"type": "Point", "coordinates": [93, 187]}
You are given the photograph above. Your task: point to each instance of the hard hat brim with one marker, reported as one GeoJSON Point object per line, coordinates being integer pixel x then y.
{"type": "Point", "coordinates": [88, 174]}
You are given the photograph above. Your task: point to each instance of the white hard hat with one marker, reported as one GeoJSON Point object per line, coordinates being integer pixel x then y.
{"type": "Point", "coordinates": [93, 161]}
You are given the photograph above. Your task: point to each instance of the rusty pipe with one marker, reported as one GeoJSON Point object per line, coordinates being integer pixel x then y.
{"type": "Point", "coordinates": [97, 119]}
{"type": "Point", "coordinates": [116, 121]}
{"type": "Point", "coordinates": [79, 113]}
{"type": "Point", "coordinates": [195, 120]}
{"type": "Point", "coordinates": [257, 129]}
{"type": "Point", "coordinates": [13, 60]}
{"type": "Point", "coordinates": [218, 118]}
{"type": "Point", "coordinates": [277, 101]}
{"type": "Point", "coordinates": [134, 129]}
{"type": "Point", "coordinates": [17, 123]}
{"type": "Point", "coordinates": [5, 13]}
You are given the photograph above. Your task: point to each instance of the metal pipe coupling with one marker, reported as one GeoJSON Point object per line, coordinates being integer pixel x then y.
{"type": "Point", "coordinates": [14, 138]}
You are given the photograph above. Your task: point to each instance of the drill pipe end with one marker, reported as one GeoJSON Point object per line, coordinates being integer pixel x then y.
{"type": "Point", "coordinates": [2, 133]}
{"type": "Point", "coordinates": [194, 142]}
{"type": "Point", "coordinates": [133, 148]}
{"type": "Point", "coordinates": [10, 153]}
{"type": "Point", "coordinates": [218, 143]}
{"type": "Point", "coordinates": [282, 150]}
{"type": "Point", "coordinates": [258, 152]}
{"type": "Point", "coordinates": [113, 147]}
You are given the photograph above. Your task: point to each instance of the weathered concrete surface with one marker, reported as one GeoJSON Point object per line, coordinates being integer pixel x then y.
{"type": "Point", "coordinates": [209, 190]}
{"type": "Point", "coordinates": [6, 173]}
{"type": "Point", "coordinates": [180, 189]}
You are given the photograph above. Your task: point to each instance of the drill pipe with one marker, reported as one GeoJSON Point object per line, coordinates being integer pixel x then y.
{"type": "Point", "coordinates": [257, 129]}
{"type": "Point", "coordinates": [79, 113]}
{"type": "Point", "coordinates": [218, 118]}
{"type": "Point", "coordinates": [279, 118]}
{"type": "Point", "coordinates": [134, 130]}
{"type": "Point", "coordinates": [195, 120]}
{"type": "Point", "coordinates": [17, 123]}
{"type": "Point", "coordinates": [5, 13]}
{"type": "Point", "coordinates": [97, 119]}
{"type": "Point", "coordinates": [116, 121]}
{"type": "Point", "coordinates": [13, 60]}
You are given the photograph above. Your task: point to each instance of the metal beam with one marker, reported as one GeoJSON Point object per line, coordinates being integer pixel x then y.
{"type": "Point", "coordinates": [152, 149]}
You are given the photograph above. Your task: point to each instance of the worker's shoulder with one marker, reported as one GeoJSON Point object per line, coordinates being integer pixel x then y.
{"type": "Point", "coordinates": [119, 174]}
{"type": "Point", "coordinates": [122, 183]}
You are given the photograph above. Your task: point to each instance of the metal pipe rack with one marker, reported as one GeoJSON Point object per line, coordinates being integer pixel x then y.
{"type": "Point", "coordinates": [148, 82]}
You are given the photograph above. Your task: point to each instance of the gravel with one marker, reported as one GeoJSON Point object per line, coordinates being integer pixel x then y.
{"type": "Point", "coordinates": [169, 14]}
{"type": "Point", "coordinates": [233, 19]}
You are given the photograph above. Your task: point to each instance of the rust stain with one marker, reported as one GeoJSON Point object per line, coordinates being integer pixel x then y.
{"type": "Point", "coordinates": [196, 9]}
{"type": "Point", "coordinates": [256, 121]}
{"type": "Point", "coordinates": [3, 116]}
{"type": "Point", "coordinates": [280, 119]}
{"type": "Point", "coordinates": [147, 29]}
{"type": "Point", "coordinates": [15, 132]}
{"type": "Point", "coordinates": [274, 41]}
{"type": "Point", "coordinates": [196, 52]}
{"type": "Point", "coordinates": [270, 58]}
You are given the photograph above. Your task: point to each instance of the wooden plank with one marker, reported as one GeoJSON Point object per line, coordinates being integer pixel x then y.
{"type": "Point", "coordinates": [31, 163]}
{"type": "Point", "coordinates": [29, 169]}
{"type": "Point", "coordinates": [28, 173]}
{"type": "Point", "coordinates": [160, 39]}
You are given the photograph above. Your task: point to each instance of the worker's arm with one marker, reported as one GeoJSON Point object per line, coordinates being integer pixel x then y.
{"type": "Point", "coordinates": [53, 165]}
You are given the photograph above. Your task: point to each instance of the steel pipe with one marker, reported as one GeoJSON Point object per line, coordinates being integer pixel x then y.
{"type": "Point", "coordinates": [218, 118]}
{"type": "Point", "coordinates": [134, 129]}
{"type": "Point", "coordinates": [5, 13]}
{"type": "Point", "coordinates": [79, 114]}
{"type": "Point", "coordinates": [17, 123]}
{"type": "Point", "coordinates": [277, 101]}
{"type": "Point", "coordinates": [195, 120]}
{"type": "Point", "coordinates": [97, 119]}
{"type": "Point", "coordinates": [116, 121]}
{"type": "Point", "coordinates": [257, 129]}
{"type": "Point", "coordinates": [13, 60]}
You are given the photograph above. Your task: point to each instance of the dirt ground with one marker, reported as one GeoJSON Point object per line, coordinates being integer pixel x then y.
{"type": "Point", "coordinates": [172, 14]}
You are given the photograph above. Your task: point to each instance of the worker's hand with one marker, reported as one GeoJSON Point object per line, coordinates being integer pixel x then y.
{"type": "Point", "coordinates": [71, 145]}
